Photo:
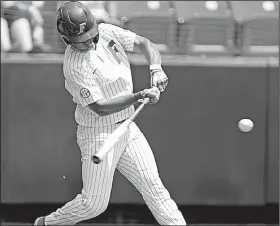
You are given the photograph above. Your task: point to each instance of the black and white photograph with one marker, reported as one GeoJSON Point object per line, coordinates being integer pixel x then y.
{"type": "Point", "coordinates": [140, 113]}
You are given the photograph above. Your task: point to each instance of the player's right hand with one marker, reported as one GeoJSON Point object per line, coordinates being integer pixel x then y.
{"type": "Point", "coordinates": [158, 77]}
{"type": "Point", "coordinates": [153, 93]}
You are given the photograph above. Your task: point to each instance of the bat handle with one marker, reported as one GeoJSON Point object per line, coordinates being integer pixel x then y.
{"type": "Point", "coordinates": [146, 101]}
{"type": "Point", "coordinates": [140, 108]}
{"type": "Point", "coordinates": [96, 159]}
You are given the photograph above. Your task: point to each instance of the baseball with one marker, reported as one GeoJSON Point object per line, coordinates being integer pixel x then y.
{"type": "Point", "coordinates": [245, 125]}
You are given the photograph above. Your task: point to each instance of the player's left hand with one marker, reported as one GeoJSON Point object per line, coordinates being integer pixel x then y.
{"type": "Point", "coordinates": [153, 93]}
{"type": "Point", "coordinates": [159, 79]}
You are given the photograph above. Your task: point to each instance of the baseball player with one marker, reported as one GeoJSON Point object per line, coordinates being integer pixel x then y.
{"type": "Point", "coordinates": [98, 76]}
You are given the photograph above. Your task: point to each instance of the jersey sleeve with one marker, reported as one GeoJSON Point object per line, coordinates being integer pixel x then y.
{"type": "Point", "coordinates": [82, 85]}
{"type": "Point", "coordinates": [125, 37]}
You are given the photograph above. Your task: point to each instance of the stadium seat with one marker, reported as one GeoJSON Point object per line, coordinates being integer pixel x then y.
{"type": "Point", "coordinates": [151, 19]}
{"type": "Point", "coordinates": [260, 37]}
{"type": "Point", "coordinates": [136, 8]}
{"type": "Point", "coordinates": [243, 10]}
{"type": "Point", "coordinates": [258, 27]}
{"type": "Point", "coordinates": [205, 28]}
{"type": "Point", "coordinates": [49, 15]}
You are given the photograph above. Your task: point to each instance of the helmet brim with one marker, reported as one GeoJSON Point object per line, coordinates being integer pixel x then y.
{"type": "Point", "coordinates": [85, 36]}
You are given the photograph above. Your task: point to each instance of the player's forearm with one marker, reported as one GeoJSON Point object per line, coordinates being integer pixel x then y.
{"type": "Point", "coordinates": [150, 52]}
{"type": "Point", "coordinates": [116, 104]}
{"type": "Point", "coordinates": [106, 107]}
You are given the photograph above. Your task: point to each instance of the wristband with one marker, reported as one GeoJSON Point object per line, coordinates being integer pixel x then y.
{"type": "Point", "coordinates": [155, 66]}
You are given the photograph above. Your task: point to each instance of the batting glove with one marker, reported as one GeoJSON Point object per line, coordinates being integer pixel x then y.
{"type": "Point", "coordinates": [153, 94]}
{"type": "Point", "coordinates": [158, 77]}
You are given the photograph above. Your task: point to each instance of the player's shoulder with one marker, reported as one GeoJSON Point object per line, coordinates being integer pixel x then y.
{"type": "Point", "coordinates": [106, 27]}
{"type": "Point", "coordinates": [75, 54]}
{"type": "Point", "coordinates": [106, 31]}
{"type": "Point", "coordinates": [74, 58]}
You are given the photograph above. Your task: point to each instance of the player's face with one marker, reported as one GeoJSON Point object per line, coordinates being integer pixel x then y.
{"type": "Point", "coordinates": [87, 45]}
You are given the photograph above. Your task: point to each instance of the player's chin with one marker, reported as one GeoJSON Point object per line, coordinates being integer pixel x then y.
{"type": "Point", "coordinates": [83, 47]}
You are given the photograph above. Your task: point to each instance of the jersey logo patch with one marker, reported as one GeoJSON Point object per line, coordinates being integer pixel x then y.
{"type": "Point", "coordinates": [112, 47]}
{"type": "Point", "coordinates": [84, 93]}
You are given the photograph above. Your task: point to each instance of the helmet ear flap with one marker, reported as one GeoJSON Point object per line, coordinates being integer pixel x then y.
{"type": "Point", "coordinates": [61, 28]}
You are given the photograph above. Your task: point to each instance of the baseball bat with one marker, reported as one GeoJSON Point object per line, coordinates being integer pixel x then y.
{"type": "Point", "coordinates": [117, 134]}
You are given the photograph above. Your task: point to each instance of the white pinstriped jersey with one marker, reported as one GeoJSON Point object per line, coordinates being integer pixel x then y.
{"type": "Point", "coordinates": [102, 73]}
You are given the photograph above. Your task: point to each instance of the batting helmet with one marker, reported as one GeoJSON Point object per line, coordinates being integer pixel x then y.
{"type": "Point", "coordinates": [76, 23]}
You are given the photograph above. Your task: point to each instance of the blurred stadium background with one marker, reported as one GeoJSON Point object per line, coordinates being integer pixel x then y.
{"type": "Point", "coordinates": [223, 61]}
{"type": "Point", "coordinates": [231, 28]}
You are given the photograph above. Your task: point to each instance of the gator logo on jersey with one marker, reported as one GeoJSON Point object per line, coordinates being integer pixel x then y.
{"type": "Point", "coordinates": [84, 93]}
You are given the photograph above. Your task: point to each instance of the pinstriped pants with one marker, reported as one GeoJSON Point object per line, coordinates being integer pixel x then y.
{"type": "Point", "coordinates": [133, 157]}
